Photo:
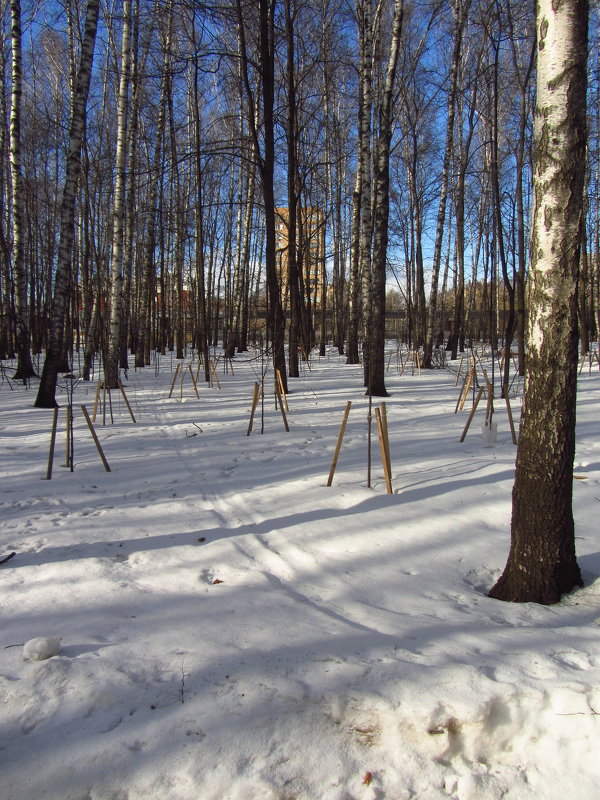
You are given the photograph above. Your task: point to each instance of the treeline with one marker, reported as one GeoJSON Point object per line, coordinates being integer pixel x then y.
{"type": "Point", "coordinates": [145, 147]}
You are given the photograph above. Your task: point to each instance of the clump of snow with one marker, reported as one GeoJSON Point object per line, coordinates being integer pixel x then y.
{"type": "Point", "coordinates": [41, 648]}
{"type": "Point", "coordinates": [234, 629]}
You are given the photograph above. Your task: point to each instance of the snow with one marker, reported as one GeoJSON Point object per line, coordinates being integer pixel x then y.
{"type": "Point", "coordinates": [41, 648]}
{"type": "Point", "coordinates": [233, 629]}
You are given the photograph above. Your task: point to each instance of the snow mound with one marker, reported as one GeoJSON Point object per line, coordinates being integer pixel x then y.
{"type": "Point", "coordinates": [41, 648]}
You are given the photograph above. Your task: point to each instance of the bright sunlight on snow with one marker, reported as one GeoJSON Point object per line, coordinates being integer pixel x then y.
{"type": "Point", "coordinates": [228, 627]}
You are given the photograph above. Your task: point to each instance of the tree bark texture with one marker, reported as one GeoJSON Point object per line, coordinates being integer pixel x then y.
{"type": "Point", "coordinates": [24, 363]}
{"type": "Point", "coordinates": [542, 564]}
{"type": "Point", "coordinates": [62, 282]}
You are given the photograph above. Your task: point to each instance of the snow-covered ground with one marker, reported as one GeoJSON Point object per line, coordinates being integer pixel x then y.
{"type": "Point", "coordinates": [233, 629]}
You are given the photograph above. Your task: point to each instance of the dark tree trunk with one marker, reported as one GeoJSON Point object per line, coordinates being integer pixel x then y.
{"type": "Point", "coordinates": [542, 565]}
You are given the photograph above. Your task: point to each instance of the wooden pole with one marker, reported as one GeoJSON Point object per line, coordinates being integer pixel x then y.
{"type": "Point", "coordinates": [52, 443]}
{"type": "Point", "coordinates": [282, 409]}
{"type": "Point", "coordinates": [213, 372]}
{"type": "Point", "coordinates": [510, 420]}
{"type": "Point", "coordinates": [386, 437]}
{"type": "Point", "coordinates": [339, 443]}
{"type": "Point", "coordinates": [255, 399]}
{"type": "Point", "coordinates": [174, 379]}
{"type": "Point", "coordinates": [68, 437]}
{"type": "Point", "coordinates": [279, 388]}
{"type": "Point", "coordinates": [95, 438]}
{"type": "Point", "coordinates": [464, 391]}
{"type": "Point", "coordinates": [384, 453]}
{"type": "Point", "coordinates": [459, 371]}
{"type": "Point", "coordinates": [97, 400]}
{"type": "Point", "coordinates": [472, 414]}
{"type": "Point", "coordinates": [122, 388]}
{"type": "Point", "coordinates": [194, 384]}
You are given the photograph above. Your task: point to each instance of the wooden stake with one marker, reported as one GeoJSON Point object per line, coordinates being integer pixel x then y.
{"type": "Point", "coordinates": [122, 388]}
{"type": "Point", "coordinates": [285, 422]}
{"type": "Point", "coordinates": [52, 443]}
{"type": "Point", "coordinates": [510, 420]}
{"type": "Point", "coordinates": [255, 399]}
{"type": "Point", "coordinates": [462, 397]}
{"type": "Point", "coordinates": [213, 372]}
{"type": "Point", "coordinates": [279, 388]}
{"type": "Point", "coordinates": [68, 437]}
{"type": "Point", "coordinates": [459, 371]}
{"type": "Point", "coordinates": [472, 414]}
{"type": "Point", "coordinates": [339, 443]}
{"type": "Point", "coordinates": [384, 452]}
{"type": "Point", "coordinates": [95, 438]}
{"type": "Point", "coordinates": [97, 400]}
{"type": "Point", "coordinates": [194, 384]}
{"type": "Point", "coordinates": [386, 437]}
{"type": "Point", "coordinates": [174, 379]}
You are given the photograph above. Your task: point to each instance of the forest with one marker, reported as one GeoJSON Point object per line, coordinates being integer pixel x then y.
{"type": "Point", "coordinates": [160, 163]}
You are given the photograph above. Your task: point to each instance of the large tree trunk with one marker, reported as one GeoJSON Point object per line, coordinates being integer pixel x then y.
{"type": "Point", "coordinates": [461, 10]}
{"type": "Point", "coordinates": [376, 343]}
{"type": "Point", "coordinates": [542, 564]}
{"type": "Point", "coordinates": [111, 366]}
{"type": "Point", "coordinates": [265, 157]}
{"type": "Point", "coordinates": [292, 256]}
{"type": "Point", "coordinates": [22, 334]}
{"type": "Point", "coordinates": [54, 354]}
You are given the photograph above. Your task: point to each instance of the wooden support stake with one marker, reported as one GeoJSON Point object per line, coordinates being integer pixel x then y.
{"type": "Point", "coordinates": [384, 452]}
{"type": "Point", "coordinates": [339, 443]}
{"type": "Point", "coordinates": [95, 438]}
{"type": "Point", "coordinates": [255, 399]}
{"type": "Point", "coordinates": [68, 437]}
{"type": "Point", "coordinates": [489, 409]}
{"type": "Point", "coordinates": [279, 388]}
{"type": "Point", "coordinates": [122, 388]}
{"type": "Point", "coordinates": [97, 400]}
{"type": "Point", "coordinates": [52, 443]}
{"type": "Point", "coordinates": [213, 372]}
{"type": "Point", "coordinates": [194, 384]}
{"type": "Point", "coordinates": [285, 422]}
{"type": "Point", "coordinates": [460, 403]}
{"type": "Point", "coordinates": [459, 371]}
{"type": "Point", "coordinates": [386, 437]}
{"type": "Point", "coordinates": [174, 379]}
{"type": "Point", "coordinates": [510, 420]}
{"type": "Point", "coordinates": [472, 414]}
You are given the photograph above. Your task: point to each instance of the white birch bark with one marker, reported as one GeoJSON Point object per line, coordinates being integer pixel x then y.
{"type": "Point", "coordinates": [542, 563]}
{"type": "Point", "coordinates": [111, 367]}
{"type": "Point", "coordinates": [24, 364]}
{"type": "Point", "coordinates": [45, 397]}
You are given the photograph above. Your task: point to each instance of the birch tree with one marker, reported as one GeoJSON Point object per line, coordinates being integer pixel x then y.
{"type": "Point", "coordinates": [542, 564]}
{"type": "Point", "coordinates": [111, 367]}
{"type": "Point", "coordinates": [381, 175]}
{"type": "Point", "coordinates": [54, 353]}
{"type": "Point", "coordinates": [461, 11]}
{"type": "Point", "coordinates": [22, 334]}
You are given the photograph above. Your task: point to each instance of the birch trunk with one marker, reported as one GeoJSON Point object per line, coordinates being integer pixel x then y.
{"type": "Point", "coordinates": [542, 564]}
{"type": "Point", "coordinates": [111, 366]}
{"type": "Point", "coordinates": [376, 342]}
{"type": "Point", "coordinates": [22, 333]}
{"type": "Point", "coordinates": [461, 9]}
{"type": "Point", "coordinates": [54, 354]}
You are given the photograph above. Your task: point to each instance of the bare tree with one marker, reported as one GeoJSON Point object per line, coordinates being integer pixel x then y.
{"type": "Point", "coordinates": [117, 311]}
{"type": "Point", "coordinates": [542, 564]}
{"type": "Point", "coordinates": [54, 353]}
{"type": "Point", "coordinates": [22, 333]}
